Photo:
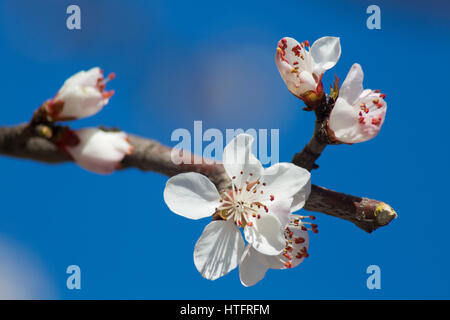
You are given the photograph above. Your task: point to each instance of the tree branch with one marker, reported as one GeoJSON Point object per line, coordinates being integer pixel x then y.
{"type": "Point", "coordinates": [23, 141]}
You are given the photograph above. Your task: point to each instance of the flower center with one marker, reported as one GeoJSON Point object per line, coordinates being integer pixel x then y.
{"type": "Point", "coordinates": [244, 203]}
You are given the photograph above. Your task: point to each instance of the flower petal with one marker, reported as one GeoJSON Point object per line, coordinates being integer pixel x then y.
{"type": "Point", "coordinates": [191, 195]}
{"type": "Point", "coordinates": [325, 53]}
{"type": "Point", "coordinates": [99, 151]}
{"type": "Point", "coordinates": [300, 197]}
{"type": "Point", "coordinates": [286, 180]}
{"type": "Point", "coordinates": [296, 250]}
{"type": "Point", "coordinates": [352, 87]}
{"type": "Point", "coordinates": [83, 78]}
{"type": "Point", "coordinates": [251, 269]}
{"type": "Point", "coordinates": [266, 234]}
{"type": "Point", "coordinates": [281, 209]}
{"type": "Point", "coordinates": [239, 161]}
{"type": "Point", "coordinates": [218, 250]}
{"type": "Point", "coordinates": [358, 114]}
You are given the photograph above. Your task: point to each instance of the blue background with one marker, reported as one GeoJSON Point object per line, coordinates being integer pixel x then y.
{"type": "Point", "coordinates": [180, 61]}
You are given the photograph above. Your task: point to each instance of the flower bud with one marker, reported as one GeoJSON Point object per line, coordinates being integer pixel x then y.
{"type": "Point", "coordinates": [81, 96]}
{"type": "Point", "coordinates": [98, 151]}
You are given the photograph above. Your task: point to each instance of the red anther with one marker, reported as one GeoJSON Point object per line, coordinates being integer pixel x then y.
{"type": "Point", "coordinates": [304, 229]}
{"type": "Point", "coordinates": [289, 249]}
{"type": "Point", "coordinates": [383, 96]}
{"type": "Point", "coordinates": [288, 264]}
{"type": "Point", "coordinates": [295, 63]}
{"type": "Point", "coordinates": [266, 209]}
{"type": "Point", "coordinates": [264, 184]}
{"type": "Point", "coordinates": [307, 43]}
{"type": "Point", "coordinates": [111, 76]}
{"type": "Point", "coordinates": [249, 224]}
{"type": "Point", "coordinates": [361, 120]}
{"type": "Point", "coordinates": [312, 217]}
{"type": "Point", "coordinates": [375, 101]}
{"type": "Point", "coordinates": [360, 114]}
{"type": "Point", "coordinates": [315, 230]}
{"type": "Point", "coordinates": [376, 121]}
{"type": "Point", "coordinates": [299, 240]}
{"type": "Point", "coordinates": [239, 222]}
{"type": "Point", "coordinates": [259, 216]}
{"type": "Point", "coordinates": [108, 94]}
{"type": "Point", "coordinates": [296, 50]}
{"type": "Point", "coordinates": [377, 91]}
{"type": "Point", "coordinates": [299, 255]}
{"type": "Point", "coordinates": [234, 177]}
{"type": "Point", "coordinates": [314, 226]}
{"type": "Point", "coordinates": [272, 197]}
{"type": "Point", "coordinates": [287, 255]}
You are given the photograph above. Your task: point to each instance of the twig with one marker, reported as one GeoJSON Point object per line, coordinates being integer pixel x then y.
{"type": "Point", "coordinates": [23, 141]}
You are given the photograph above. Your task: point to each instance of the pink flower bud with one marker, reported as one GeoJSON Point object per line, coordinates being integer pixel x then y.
{"type": "Point", "coordinates": [99, 151]}
{"type": "Point", "coordinates": [81, 96]}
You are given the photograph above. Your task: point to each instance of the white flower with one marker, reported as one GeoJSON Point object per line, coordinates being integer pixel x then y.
{"type": "Point", "coordinates": [254, 265]}
{"type": "Point", "coordinates": [302, 70]}
{"type": "Point", "coordinates": [260, 201]}
{"type": "Point", "coordinates": [358, 114]}
{"type": "Point", "coordinates": [81, 96]}
{"type": "Point", "coordinates": [97, 150]}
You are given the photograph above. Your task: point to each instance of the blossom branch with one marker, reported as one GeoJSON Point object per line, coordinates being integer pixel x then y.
{"type": "Point", "coordinates": [320, 139]}
{"type": "Point", "coordinates": [29, 142]}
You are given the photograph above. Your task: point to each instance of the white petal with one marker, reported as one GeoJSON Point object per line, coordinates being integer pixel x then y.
{"type": "Point", "coordinates": [352, 87]}
{"type": "Point", "coordinates": [83, 78]}
{"type": "Point", "coordinates": [219, 249]}
{"type": "Point", "coordinates": [251, 269]}
{"type": "Point", "coordinates": [191, 195]}
{"type": "Point", "coordinates": [300, 197]}
{"type": "Point", "coordinates": [307, 82]}
{"type": "Point", "coordinates": [292, 257]}
{"type": "Point", "coordinates": [286, 180]}
{"type": "Point", "coordinates": [296, 66]}
{"type": "Point", "coordinates": [325, 53]}
{"type": "Point", "coordinates": [281, 209]}
{"type": "Point", "coordinates": [81, 102]}
{"type": "Point", "coordinates": [266, 234]}
{"type": "Point", "coordinates": [99, 151]}
{"type": "Point", "coordinates": [358, 114]}
{"type": "Point", "coordinates": [239, 161]}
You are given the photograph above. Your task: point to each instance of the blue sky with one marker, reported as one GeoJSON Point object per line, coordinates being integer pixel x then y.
{"type": "Point", "coordinates": [179, 61]}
